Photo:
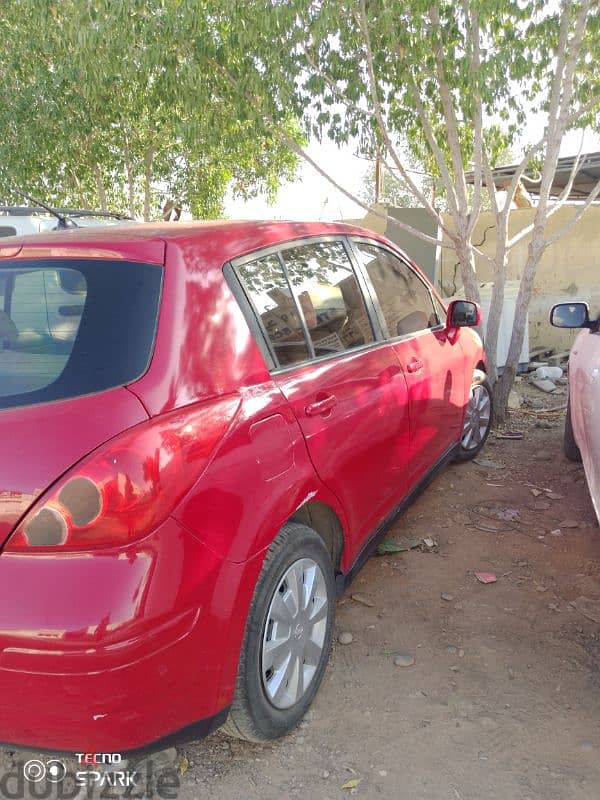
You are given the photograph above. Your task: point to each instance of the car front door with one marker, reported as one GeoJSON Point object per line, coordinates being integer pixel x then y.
{"type": "Point", "coordinates": [346, 388]}
{"type": "Point", "coordinates": [431, 360]}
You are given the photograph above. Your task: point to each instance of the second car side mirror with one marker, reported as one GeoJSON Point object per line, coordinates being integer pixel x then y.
{"type": "Point", "coordinates": [463, 314]}
{"type": "Point", "coordinates": [570, 315]}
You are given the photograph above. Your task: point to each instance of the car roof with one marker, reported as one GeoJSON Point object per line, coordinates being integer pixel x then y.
{"type": "Point", "coordinates": [146, 241]}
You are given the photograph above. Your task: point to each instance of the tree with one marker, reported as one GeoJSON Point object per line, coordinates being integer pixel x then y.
{"type": "Point", "coordinates": [454, 81]}
{"type": "Point", "coordinates": [93, 112]}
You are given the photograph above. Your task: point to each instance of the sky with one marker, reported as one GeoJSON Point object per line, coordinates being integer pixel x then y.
{"type": "Point", "coordinates": [311, 197]}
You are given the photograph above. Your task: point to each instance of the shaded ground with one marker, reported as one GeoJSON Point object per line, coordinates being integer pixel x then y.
{"type": "Point", "coordinates": [503, 700]}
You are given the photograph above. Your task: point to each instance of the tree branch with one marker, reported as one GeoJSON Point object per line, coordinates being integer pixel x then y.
{"type": "Point", "coordinates": [449, 117]}
{"type": "Point", "coordinates": [363, 24]}
{"type": "Point", "coordinates": [473, 19]}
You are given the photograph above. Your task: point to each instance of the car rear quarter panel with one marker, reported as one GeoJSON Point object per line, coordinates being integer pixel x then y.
{"type": "Point", "coordinates": [203, 345]}
{"type": "Point", "coordinates": [259, 476]}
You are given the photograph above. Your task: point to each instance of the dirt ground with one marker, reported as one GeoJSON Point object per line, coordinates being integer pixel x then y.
{"type": "Point", "coordinates": [503, 700]}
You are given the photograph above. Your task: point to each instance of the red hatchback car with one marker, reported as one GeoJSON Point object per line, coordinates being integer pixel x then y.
{"type": "Point", "coordinates": [205, 428]}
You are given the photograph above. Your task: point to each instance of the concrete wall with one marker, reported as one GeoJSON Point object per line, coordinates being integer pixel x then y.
{"type": "Point", "coordinates": [569, 269]}
{"type": "Point", "coordinates": [420, 252]}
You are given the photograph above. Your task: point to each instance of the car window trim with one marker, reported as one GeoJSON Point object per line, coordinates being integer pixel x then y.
{"type": "Point", "coordinates": [320, 359]}
{"type": "Point", "coordinates": [310, 345]}
{"type": "Point", "coordinates": [353, 240]}
{"type": "Point", "coordinates": [237, 285]}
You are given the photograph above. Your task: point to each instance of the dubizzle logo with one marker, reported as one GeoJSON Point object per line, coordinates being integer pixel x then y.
{"type": "Point", "coordinates": [97, 775]}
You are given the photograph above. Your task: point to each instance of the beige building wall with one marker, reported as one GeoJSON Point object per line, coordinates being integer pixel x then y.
{"type": "Point", "coordinates": [422, 253]}
{"type": "Point", "coordinates": [569, 269]}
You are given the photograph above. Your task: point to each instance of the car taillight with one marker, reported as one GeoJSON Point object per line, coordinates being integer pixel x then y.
{"type": "Point", "coordinates": [127, 487]}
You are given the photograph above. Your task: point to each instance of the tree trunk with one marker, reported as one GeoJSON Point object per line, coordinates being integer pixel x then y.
{"type": "Point", "coordinates": [495, 315]}
{"type": "Point", "coordinates": [148, 161]}
{"type": "Point", "coordinates": [504, 385]}
{"type": "Point", "coordinates": [502, 389]}
{"type": "Point", "coordinates": [130, 177]}
{"type": "Point", "coordinates": [101, 189]}
{"type": "Point", "coordinates": [468, 271]}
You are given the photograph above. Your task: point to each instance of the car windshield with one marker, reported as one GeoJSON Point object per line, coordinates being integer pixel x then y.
{"type": "Point", "coordinates": [74, 327]}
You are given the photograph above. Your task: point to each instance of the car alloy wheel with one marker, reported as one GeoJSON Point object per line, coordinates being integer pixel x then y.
{"type": "Point", "coordinates": [295, 633]}
{"type": "Point", "coordinates": [477, 417]}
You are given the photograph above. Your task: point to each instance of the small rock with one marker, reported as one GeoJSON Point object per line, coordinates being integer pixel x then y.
{"type": "Point", "coordinates": [535, 402]}
{"type": "Point", "coordinates": [544, 424]}
{"type": "Point", "coordinates": [404, 660]}
{"type": "Point", "coordinates": [544, 455]}
{"type": "Point", "coordinates": [452, 650]}
{"type": "Point", "coordinates": [345, 637]}
{"type": "Point", "coordinates": [325, 774]}
{"type": "Point", "coordinates": [586, 746]}
{"type": "Point", "coordinates": [511, 673]}
{"type": "Point", "coordinates": [461, 653]}
{"type": "Point", "coordinates": [447, 597]}
{"type": "Point", "coordinates": [554, 496]}
{"type": "Point", "coordinates": [548, 373]}
{"type": "Point", "coordinates": [569, 523]}
{"type": "Point", "coordinates": [544, 385]}
{"type": "Point", "coordinates": [555, 532]}
{"type": "Point", "coordinates": [454, 668]}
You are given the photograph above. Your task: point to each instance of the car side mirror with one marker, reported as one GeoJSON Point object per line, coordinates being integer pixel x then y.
{"type": "Point", "coordinates": [463, 314]}
{"type": "Point", "coordinates": [570, 315]}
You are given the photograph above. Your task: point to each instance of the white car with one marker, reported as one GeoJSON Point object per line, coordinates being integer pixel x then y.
{"type": "Point", "coordinates": [20, 220]}
{"type": "Point", "coordinates": [582, 425]}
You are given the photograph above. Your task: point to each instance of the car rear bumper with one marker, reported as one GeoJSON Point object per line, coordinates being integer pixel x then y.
{"type": "Point", "coordinates": [111, 651]}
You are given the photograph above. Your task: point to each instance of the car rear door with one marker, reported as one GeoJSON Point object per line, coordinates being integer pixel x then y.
{"type": "Point", "coordinates": [344, 384]}
{"type": "Point", "coordinates": [432, 361]}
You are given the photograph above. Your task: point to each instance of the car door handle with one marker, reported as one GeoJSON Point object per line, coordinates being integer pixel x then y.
{"type": "Point", "coordinates": [320, 406]}
{"type": "Point", "coordinates": [414, 365]}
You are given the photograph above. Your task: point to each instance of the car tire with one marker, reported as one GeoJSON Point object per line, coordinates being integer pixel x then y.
{"type": "Point", "coordinates": [478, 417]}
{"type": "Point", "coordinates": [269, 700]}
{"type": "Point", "coordinates": [570, 448]}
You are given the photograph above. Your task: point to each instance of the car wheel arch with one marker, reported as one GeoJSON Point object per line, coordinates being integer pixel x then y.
{"type": "Point", "coordinates": [323, 519]}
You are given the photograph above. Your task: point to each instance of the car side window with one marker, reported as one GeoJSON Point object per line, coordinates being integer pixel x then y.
{"type": "Point", "coordinates": [323, 280]}
{"type": "Point", "coordinates": [404, 299]}
{"type": "Point", "coordinates": [266, 285]}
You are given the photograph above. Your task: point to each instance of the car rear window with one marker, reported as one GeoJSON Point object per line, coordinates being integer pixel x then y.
{"type": "Point", "coordinates": [74, 327]}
